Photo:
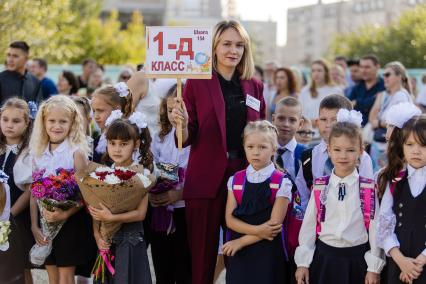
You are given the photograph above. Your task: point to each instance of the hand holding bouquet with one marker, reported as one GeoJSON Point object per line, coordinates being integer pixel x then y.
{"type": "Point", "coordinates": [112, 191]}
{"type": "Point", "coordinates": [170, 177]}
{"type": "Point", "coordinates": [4, 235]}
{"type": "Point", "coordinates": [54, 194]}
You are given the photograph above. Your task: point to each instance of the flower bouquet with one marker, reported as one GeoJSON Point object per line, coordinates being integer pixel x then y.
{"type": "Point", "coordinates": [120, 190]}
{"type": "Point", "coordinates": [53, 191]}
{"type": "Point", "coordinates": [169, 177]}
{"type": "Point", "coordinates": [4, 235]}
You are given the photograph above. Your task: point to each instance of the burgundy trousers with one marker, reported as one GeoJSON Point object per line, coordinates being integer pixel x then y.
{"type": "Point", "coordinates": [204, 218]}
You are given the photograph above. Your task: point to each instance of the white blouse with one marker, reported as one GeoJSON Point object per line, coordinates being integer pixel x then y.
{"type": "Point", "coordinates": [166, 152]}
{"type": "Point", "coordinates": [319, 158]}
{"type": "Point", "coordinates": [310, 105]}
{"type": "Point", "coordinates": [343, 225]}
{"type": "Point", "coordinates": [61, 157]}
{"type": "Point", "coordinates": [261, 175]}
{"type": "Point", "coordinates": [387, 238]}
{"type": "Point", "coordinates": [22, 170]}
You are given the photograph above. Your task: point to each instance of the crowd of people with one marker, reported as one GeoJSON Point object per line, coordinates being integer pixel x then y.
{"type": "Point", "coordinates": [284, 177]}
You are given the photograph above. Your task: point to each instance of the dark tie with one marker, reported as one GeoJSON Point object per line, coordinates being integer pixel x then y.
{"type": "Point", "coordinates": [342, 191]}
{"type": "Point", "coordinates": [280, 161]}
{"type": "Point", "coordinates": [328, 167]}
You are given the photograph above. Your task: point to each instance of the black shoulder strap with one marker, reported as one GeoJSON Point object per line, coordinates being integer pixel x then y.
{"type": "Point", "coordinates": [307, 166]}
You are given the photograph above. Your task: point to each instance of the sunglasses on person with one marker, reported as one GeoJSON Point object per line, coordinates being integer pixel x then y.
{"type": "Point", "coordinates": [387, 74]}
{"type": "Point", "coordinates": [305, 133]}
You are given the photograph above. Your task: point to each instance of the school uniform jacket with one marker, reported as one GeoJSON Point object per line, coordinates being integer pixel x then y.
{"type": "Point", "coordinates": [207, 134]}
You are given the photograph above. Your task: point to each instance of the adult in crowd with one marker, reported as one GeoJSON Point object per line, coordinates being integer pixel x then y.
{"type": "Point", "coordinates": [398, 90]}
{"type": "Point", "coordinates": [125, 74]}
{"type": "Point", "coordinates": [16, 81]}
{"type": "Point", "coordinates": [96, 80]}
{"type": "Point", "coordinates": [342, 61]}
{"type": "Point", "coordinates": [364, 93]}
{"type": "Point", "coordinates": [355, 75]}
{"type": "Point", "coordinates": [67, 83]}
{"type": "Point", "coordinates": [89, 66]}
{"type": "Point", "coordinates": [48, 87]}
{"type": "Point", "coordinates": [286, 85]}
{"type": "Point", "coordinates": [321, 86]}
{"type": "Point", "coordinates": [213, 115]}
{"type": "Point", "coordinates": [269, 88]}
{"type": "Point", "coordinates": [145, 99]}
{"type": "Point", "coordinates": [338, 76]}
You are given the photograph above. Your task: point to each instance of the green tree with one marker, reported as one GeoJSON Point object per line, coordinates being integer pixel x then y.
{"type": "Point", "coordinates": [52, 28]}
{"type": "Point", "coordinates": [67, 31]}
{"type": "Point", "coordinates": [404, 40]}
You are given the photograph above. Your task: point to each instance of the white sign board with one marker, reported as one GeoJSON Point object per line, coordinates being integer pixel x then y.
{"type": "Point", "coordinates": [184, 52]}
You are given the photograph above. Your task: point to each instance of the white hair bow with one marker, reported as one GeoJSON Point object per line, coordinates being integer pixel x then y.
{"type": "Point", "coordinates": [351, 116]}
{"type": "Point", "coordinates": [138, 119]}
{"type": "Point", "coordinates": [102, 145]}
{"type": "Point", "coordinates": [122, 89]}
{"type": "Point", "coordinates": [397, 115]}
{"type": "Point", "coordinates": [115, 114]}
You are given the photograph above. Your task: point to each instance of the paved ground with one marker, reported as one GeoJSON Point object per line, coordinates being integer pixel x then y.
{"type": "Point", "coordinates": [40, 276]}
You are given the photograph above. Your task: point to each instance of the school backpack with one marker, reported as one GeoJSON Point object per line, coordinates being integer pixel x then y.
{"type": "Point", "coordinates": [295, 211]}
{"type": "Point", "coordinates": [367, 195]}
{"type": "Point", "coordinates": [393, 183]}
{"type": "Point", "coordinates": [294, 216]}
{"type": "Point", "coordinates": [306, 158]}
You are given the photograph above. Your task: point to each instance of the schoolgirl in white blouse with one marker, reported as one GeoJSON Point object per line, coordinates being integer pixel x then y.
{"type": "Point", "coordinates": [337, 243]}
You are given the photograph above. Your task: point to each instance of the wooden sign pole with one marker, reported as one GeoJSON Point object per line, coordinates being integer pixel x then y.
{"type": "Point", "coordinates": [179, 123]}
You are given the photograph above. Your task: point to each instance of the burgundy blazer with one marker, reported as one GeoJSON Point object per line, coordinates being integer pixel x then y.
{"type": "Point", "coordinates": [207, 134]}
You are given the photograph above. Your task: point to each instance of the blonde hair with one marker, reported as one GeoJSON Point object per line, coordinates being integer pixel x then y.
{"type": "Point", "coordinates": [76, 137]}
{"type": "Point", "coordinates": [246, 66]}
{"type": "Point", "coordinates": [112, 98]}
{"type": "Point", "coordinates": [262, 127]}
{"type": "Point", "coordinates": [400, 70]}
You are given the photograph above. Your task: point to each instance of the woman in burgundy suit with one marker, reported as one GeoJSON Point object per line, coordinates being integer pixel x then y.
{"type": "Point", "coordinates": [214, 113]}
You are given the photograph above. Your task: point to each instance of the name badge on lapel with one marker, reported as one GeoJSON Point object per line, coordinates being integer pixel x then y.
{"type": "Point", "coordinates": [253, 103]}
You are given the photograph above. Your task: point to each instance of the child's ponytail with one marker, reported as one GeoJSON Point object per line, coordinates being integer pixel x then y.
{"type": "Point", "coordinates": [395, 157]}
{"type": "Point", "coordinates": [146, 156]}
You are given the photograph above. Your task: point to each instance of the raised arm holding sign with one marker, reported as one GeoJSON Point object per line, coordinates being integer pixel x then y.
{"type": "Point", "coordinates": [214, 113]}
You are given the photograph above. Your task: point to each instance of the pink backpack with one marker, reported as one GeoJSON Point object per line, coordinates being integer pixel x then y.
{"type": "Point", "coordinates": [399, 177]}
{"type": "Point", "coordinates": [294, 216]}
{"type": "Point", "coordinates": [240, 180]}
{"type": "Point", "coordinates": [367, 194]}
